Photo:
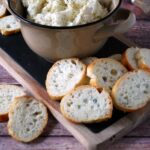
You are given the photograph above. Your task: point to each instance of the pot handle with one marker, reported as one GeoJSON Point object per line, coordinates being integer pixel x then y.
{"type": "Point", "coordinates": [126, 20]}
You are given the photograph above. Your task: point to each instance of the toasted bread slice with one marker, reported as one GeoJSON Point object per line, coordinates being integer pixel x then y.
{"type": "Point", "coordinates": [3, 10]}
{"type": "Point", "coordinates": [129, 59]}
{"type": "Point", "coordinates": [9, 25]}
{"type": "Point", "coordinates": [86, 105]}
{"type": "Point", "coordinates": [64, 76]}
{"type": "Point", "coordinates": [27, 119]}
{"type": "Point", "coordinates": [89, 60]}
{"type": "Point", "coordinates": [117, 57]}
{"type": "Point", "coordinates": [104, 73]}
{"type": "Point", "coordinates": [132, 91]}
{"type": "Point", "coordinates": [7, 93]}
{"type": "Point", "coordinates": [143, 58]}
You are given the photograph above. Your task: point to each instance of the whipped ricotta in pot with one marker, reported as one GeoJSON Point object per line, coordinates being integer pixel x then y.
{"type": "Point", "coordinates": [65, 12]}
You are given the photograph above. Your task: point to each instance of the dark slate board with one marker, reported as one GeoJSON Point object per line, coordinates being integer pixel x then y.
{"type": "Point", "coordinates": [37, 67]}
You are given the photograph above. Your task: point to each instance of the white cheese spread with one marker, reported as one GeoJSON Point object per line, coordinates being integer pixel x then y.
{"type": "Point", "coordinates": [64, 12]}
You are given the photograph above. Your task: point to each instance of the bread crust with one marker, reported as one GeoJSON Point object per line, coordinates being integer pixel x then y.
{"type": "Point", "coordinates": [141, 62]}
{"type": "Point", "coordinates": [86, 81]}
{"type": "Point", "coordinates": [108, 116]}
{"type": "Point", "coordinates": [4, 14]}
{"type": "Point", "coordinates": [4, 117]}
{"type": "Point", "coordinates": [83, 80]}
{"type": "Point", "coordinates": [115, 89]}
{"type": "Point", "coordinates": [11, 111]}
{"type": "Point", "coordinates": [143, 66]}
{"type": "Point", "coordinates": [125, 62]}
{"type": "Point", "coordinates": [93, 81]}
{"type": "Point", "coordinates": [7, 33]}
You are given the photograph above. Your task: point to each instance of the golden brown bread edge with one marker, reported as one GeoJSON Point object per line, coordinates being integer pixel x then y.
{"type": "Point", "coordinates": [4, 117]}
{"type": "Point", "coordinates": [143, 66]}
{"type": "Point", "coordinates": [7, 33]}
{"type": "Point", "coordinates": [125, 62]}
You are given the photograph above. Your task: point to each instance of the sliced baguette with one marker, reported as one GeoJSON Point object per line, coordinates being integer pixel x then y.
{"type": "Point", "coordinates": [64, 76]}
{"type": "Point", "coordinates": [104, 73]}
{"type": "Point", "coordinates": [129, 59]}
{"type": "Point", "coordinates": [143, 58]}
{"type": "Point", "coordinates": [132, 91]}
{"type": "Point", "coordinates": [27, 119]}
{"type": "Point", "coordinates": [7, 93]}
{"type": "Point", "coordinates": [3, 10]}
{"type": "Point", "coordinates": [86, 105]}
{"type": "Point", "coordinates": [89, 60]}
{"type": "Point", "coordinates": [9, 25]}
{"type": "Point", "coordinates": [117, 57]}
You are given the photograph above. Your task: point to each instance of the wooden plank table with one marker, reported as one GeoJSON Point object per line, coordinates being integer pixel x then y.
{"type": "Point", "coordinates": [55, 137]}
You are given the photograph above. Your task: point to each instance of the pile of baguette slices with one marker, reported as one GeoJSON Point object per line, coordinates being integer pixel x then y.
{"type": "Point", "coordinates": [8, 23]}
{"type": "Point", "coordinates": [26, 117]}
{"type": "Point", "coordinates": [89, 89]}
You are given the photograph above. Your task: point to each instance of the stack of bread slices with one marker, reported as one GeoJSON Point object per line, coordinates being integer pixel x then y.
{"type": "Point", "coordinates": [8, 23]}
{"type": "Point", "coordinates": [90, 88]}
{"type": "Point", "coordinates": [26, 117]}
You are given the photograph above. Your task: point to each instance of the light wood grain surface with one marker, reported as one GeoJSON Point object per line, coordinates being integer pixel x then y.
{"type": "Point", "coordinates": [55, 137]}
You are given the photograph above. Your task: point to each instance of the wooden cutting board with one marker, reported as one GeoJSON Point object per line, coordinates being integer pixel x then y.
{"type": "Point", "coordinates": [30, 70]}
